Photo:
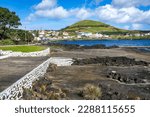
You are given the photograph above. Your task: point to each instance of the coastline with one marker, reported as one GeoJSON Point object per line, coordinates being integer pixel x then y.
{"type": "Point", "coordinates": [53, 40]}
{"type": "Point", "coordinates": [106, 69]}
{"type": "Point", "coordinates": [101, 43]}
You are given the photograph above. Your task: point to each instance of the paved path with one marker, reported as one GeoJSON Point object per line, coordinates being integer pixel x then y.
{"type": "Point", "coordinates": [61, 61]}
{"type": "Point", "coordinates": [12, 69]}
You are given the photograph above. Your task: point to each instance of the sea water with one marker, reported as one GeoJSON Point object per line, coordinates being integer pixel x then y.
{"type": "Point", "coordinates": [126, 43]}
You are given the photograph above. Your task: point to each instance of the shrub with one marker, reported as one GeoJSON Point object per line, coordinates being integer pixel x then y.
{"type": "Point", "coordinates": [133, 96]}
{"type": "Point", "coordinates": [91, 92]}
{"type": "Point", "coordinates": [6, 42]}
{"type": "Point", "coordinates": [55, 93]}
{"type": "Point", "coordinates": [52, 68]}
{"type": "Point", "coordinates": [43, 90]}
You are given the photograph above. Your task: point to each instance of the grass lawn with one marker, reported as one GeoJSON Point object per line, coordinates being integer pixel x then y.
{"type": "Point", "coordinates": [23, 48]}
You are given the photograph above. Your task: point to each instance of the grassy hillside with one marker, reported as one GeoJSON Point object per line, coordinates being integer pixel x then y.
{"type": "Point", "coordinates": [94, 27]}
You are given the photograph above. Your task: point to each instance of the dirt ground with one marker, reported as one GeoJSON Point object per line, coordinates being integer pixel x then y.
{"type": "Point", "coordinates": [12, 69]}
{"type": "Point", "coordinates": [75, 77]}
{"type": "Point", "coordinates": [124, 78]}
{"type": "Point", "coordinates": [114, 52]}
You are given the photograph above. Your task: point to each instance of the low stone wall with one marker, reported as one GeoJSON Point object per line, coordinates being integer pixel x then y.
{"type": "Point", "coordinates": [22, 54]}
{"type": "Point", "coordinates": [3, 57]}
{"type": "Point", "coordinates": [14, 92]}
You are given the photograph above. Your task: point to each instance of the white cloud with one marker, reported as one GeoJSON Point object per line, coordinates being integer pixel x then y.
{"type": "Point", "coordinates": [123, 15]}
{"type": "Point", "coordinates": [130, 3]}
{"type": "Point", "coordinates": [137, 26]}
{"type": "Point", "coordinates": [31, 17]}
{"type": "Point", "coordinates": [110, 13]}
{"type": "Point", "coordinates": [45, 4]}
{"type": "Point", "coordinates": [124, 12]}
{"type": "Point", "coordinates": [83, 13]}
{"type": "Point", "coordinates": [58, 12]}
{"type": "Point", "coordinates": [48, 9]}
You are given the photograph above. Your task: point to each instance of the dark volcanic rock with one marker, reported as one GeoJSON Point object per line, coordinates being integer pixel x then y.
{"type": "Point", "coordinates": [51, 68]}
{"type": "Point", "coordinates": [124, 78]}
{"type": "Point", "coordinates": [124, 92]}
{"type": "Point", "coordinates": [110, 61]}
{"type": "Point", "coordinates": [75, 46]}
{"type": "Point", "coordinates": [129, 74]}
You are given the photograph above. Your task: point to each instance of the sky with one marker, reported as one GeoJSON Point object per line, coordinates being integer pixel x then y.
{"type": "Point", "coordinates": [57, 14]}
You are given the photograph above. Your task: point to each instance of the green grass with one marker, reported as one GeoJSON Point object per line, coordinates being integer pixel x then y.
{"type": "Point", "coordinates": [92, 26]}
{"type": "Point", "coordinates": [89, 23]}
{"type": "Point", "coordinates": [23, 48]}
{"type": "Point", "coordinates": [6, 42]}
{"type": "Point", "coordinates": [96, 26]}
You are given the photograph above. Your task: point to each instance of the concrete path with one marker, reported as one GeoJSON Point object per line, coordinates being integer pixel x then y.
{"type": "Point", "coordinates": [61, 61]}
{"type": "Point", "coordinates": [12, 69]}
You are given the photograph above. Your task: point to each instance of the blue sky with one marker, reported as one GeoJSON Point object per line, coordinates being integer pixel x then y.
{"type": "Point", "coordinates": [57, 14]}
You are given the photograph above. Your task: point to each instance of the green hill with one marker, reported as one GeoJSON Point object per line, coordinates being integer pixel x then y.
{"type": "Point", "coordinates": [94, 27]}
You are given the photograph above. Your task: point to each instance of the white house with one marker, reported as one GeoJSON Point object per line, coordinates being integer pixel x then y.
{"type": "Point", "coordinates": [87, 34]}
{"type": "Point", "coordinates": [41, 33]}
{"type": "Point", "coordinates": [65, 34]}
{"type": "Point", "coordinates": [37, 38]}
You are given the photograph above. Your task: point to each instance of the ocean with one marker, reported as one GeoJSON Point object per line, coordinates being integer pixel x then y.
{"type": "Point", "coordinates": [126, 43]}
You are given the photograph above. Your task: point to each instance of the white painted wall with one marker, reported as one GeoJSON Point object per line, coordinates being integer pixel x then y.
{"type": "Point", "coordinates": [6, 54]}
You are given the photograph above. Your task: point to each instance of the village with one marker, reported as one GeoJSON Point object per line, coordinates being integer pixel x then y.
{"type": "Point", "coordinates": [63, 35]}
{"type": "Point", "coordinates": [59, 35]}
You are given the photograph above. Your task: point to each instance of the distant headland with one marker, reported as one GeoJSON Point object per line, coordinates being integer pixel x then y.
{"type": "Point", "coordinates": [89, 29]}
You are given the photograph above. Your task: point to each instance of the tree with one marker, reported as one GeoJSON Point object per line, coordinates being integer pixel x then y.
{"type": "Point", "coordinates": [36, 33]}
{"type": "Point", "coordinates": [25, 36]}
{"type": "Point", "coordinates": [8, 20]}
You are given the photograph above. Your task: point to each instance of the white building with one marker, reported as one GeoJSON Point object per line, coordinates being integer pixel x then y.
{"type": "Point", "coordinates": [37, 39]}
{"type": "Point", "coordinates": [78, 36]}
{"type": "Point", "coordinates": [41, 33]}
{"type": "Point", "coordinates": [97, 35]}
{"type": "Point", "coordinates": [65, 34]}
{"type": "Point", "coordinates": [147, 34]}
{"type": "Point", "coordinates": [138, 35]}
{"type": "Point", "coordinates": [87, 34]}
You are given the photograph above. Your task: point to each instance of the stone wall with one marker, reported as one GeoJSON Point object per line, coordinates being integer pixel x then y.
{"type": "Point", "coordinates": [3, 57]}
{"type": "Point", "coordinates": [22, 54]}
{"type": "Point", "coordinates": [14, 92]}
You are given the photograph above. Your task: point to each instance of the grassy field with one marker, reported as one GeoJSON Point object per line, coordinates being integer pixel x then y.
{"type": "Point", "coordinates": [23, 48]}
{"type": "Point", "coordinates": [96, 26]}
{"type": "Point", "coordinates": [91, 26]}
{"type": "Point", "coordinates": [89, 23]}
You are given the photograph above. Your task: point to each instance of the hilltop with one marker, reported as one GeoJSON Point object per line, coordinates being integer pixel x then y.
{"type": "Point", "coordinates": [94, 27]}
{"type": "Point", "coordinates": [89, 29]}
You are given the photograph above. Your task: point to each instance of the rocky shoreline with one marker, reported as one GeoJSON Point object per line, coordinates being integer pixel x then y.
{"type": "Point", "coordinates": [123, 74]}
{"type": "Point", "coordinates": [109, 61]}
{"type": "Point", "coordinates": [119, 61]}
{"type": "Point", "coordinates": [50, 87]}
{"type": "Point", "coordinates": [75, 46]}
